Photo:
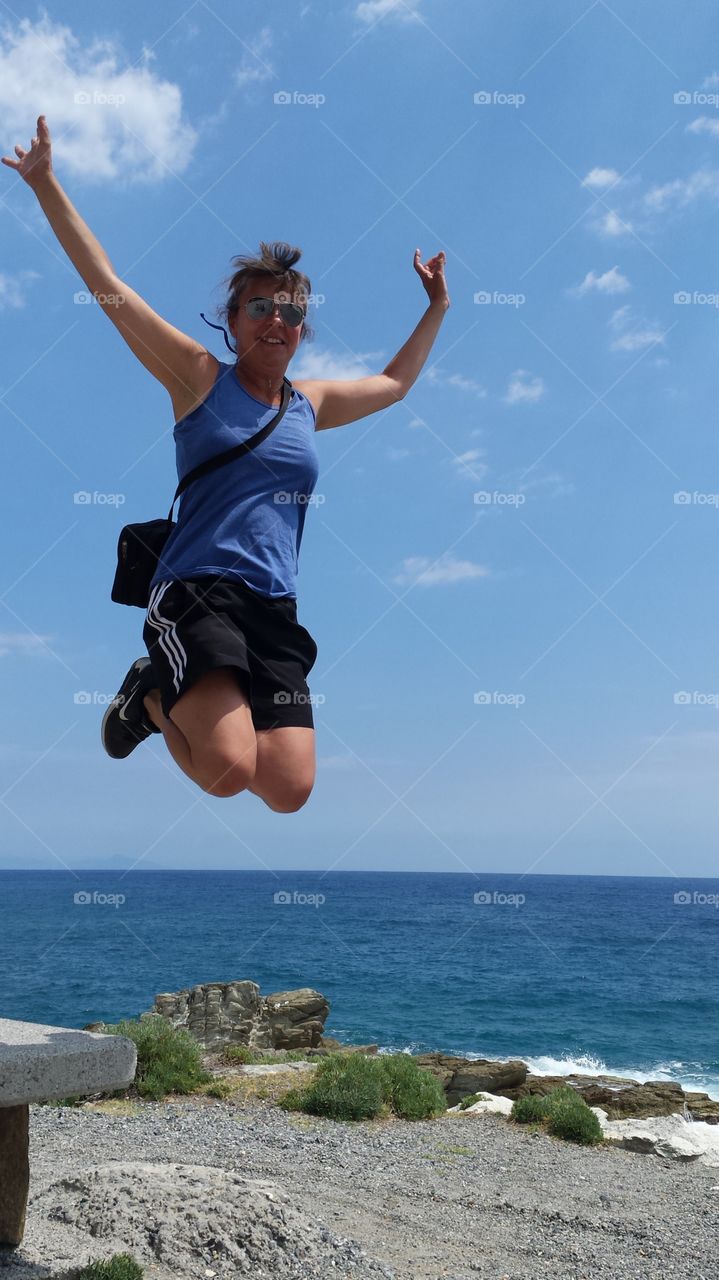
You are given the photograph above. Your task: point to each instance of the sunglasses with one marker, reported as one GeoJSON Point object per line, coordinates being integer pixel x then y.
{"type": "Point", "coordinates": [262, 308]}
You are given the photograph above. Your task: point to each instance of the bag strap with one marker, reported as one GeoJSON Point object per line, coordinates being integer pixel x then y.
{"type": "Point", "coordinates": [228, 455]}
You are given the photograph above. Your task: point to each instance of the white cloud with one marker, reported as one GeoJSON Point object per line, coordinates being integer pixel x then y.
{"type": "Point", "coordinates": [610, 282]}
{"type": "Point", "coordinates": [523, 388]}
{"type": "Point", "coordinates": [633, 334]}
{"type": "Point", "coordinates": [439, 378]}
{"type": "Point", "coordinates": [552, 481]}
{"type": "Point", "coordinates": [22, 643]}
{"type": "Point", "coordinates": [108, 119]}
{"type": "Point", "coordinates": [683, 191]}
{"type": "Point", "coordinates": [704, 124]}
{"type": "Point", "coordinates": [422, 571]}
{"type": "Point", "coordinates": [311, 363]}
{"type": "Point", "coordinates": [468, 464]}
{"type": "Point", "coordinates": [600, 178]}
{"type": "Point", "coordinates": [612, 225]}
{"type": "Point", "coordinates": [397, 455]}
{"type": "Point", "coordinates": [373, 10]}
{"type": "Point", "coordinates": [254, 69]}
{"type": "Point", "coordinates": [12, 288]}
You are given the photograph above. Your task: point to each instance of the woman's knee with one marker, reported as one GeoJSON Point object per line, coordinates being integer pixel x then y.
{"type": "Point", "coordinates": [291, 798]}
{"type": "Point", "coordinates": [223, 777]}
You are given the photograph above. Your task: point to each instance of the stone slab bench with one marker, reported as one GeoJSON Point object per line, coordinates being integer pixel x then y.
{"type": "Point", "coordinates": [39, 1064]}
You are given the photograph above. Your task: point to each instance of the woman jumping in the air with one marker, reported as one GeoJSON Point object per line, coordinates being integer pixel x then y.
{"type": "Point", "coordinates": [225, 681]}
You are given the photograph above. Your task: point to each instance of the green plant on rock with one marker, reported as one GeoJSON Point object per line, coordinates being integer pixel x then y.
{"type": "Point", "coordinates": [242, 1053]}
{"type": "Point", "coordinates": [169, 1059]}
{"type": "Point", "coordinates": [358, 1087]}
{"type": "Point", "coordinates": [120, 1267]}
{"type": "Point", "coordinates": [531, 1109]}
{"type": "Point", "coordinates": [564, 1113]}
{"type": "Point", "coordinates": [575, 1123]}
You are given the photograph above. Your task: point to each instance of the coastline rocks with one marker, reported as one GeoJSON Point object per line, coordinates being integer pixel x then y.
{"type": "Point", "coordinates": [670, 1137]}
{"type": "Point", "coordinates": [621, 1098]}
{"type": "Point", "coordinates": [222, 1013]}
{"type": "Point", "coordinates": [462, 1076]}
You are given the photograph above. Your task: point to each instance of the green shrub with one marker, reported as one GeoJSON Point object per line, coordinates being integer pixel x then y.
{"type": "Point", "coordinates": [575, 1122]}
{"type": "Point", "coordinates": [469, 1100]}
{"type": "Point", "coordinates": [530, 1110]}
{"type": "Point", "coordinates": [410, 1092]}
{"type": "Point", "coordinates": [120, 1267]}
{"type": "Point", "coordinates": [357, 1087]}
{"type": "Point", "coordinates": [243, 1054]}
{"type": "Point", "coordinates": [169, 1059]}
{"type": "Point", "coordinates": [565, 1113]}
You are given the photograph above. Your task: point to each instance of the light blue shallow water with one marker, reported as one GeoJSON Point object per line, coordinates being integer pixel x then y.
{"type": "Point", "coordinates": [588, 973]}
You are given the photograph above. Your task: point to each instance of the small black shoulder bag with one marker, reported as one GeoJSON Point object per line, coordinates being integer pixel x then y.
{"type": "Point", "coordinates": [140, 546]}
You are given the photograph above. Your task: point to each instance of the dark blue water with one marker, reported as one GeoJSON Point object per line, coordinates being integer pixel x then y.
{"type": "Point", "coordinates": [593, 972]}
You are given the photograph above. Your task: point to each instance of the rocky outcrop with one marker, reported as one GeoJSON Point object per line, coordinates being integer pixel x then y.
{"type": "Point", "coordinates": [621, 1098]}
{"type": "Point", "coordinates": [462, 1076]}
{"type": "Point", "coordinates": [670, 1137]}
{"type": "Point", "coordinates": [222, 1013]}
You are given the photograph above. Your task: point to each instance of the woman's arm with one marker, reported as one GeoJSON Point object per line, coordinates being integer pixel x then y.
{"type": "Point", "coordinates": [176, 360]}
{"type": "Point", "coordinates": [337, 403]}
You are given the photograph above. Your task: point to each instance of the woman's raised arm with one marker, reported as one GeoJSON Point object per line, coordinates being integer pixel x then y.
{"type": "Point", "coordinates": [179, 362]}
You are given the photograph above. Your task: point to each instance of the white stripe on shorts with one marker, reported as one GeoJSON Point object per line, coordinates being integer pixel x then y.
{"type": "Point", "coordinates": [168, 639]}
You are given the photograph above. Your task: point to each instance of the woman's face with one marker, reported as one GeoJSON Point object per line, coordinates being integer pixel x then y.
{"type": "Point", "coordinates": [269, 342]}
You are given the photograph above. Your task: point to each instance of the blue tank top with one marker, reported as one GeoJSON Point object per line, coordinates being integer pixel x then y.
{"type": "Point", "coordinates": [245, 520]}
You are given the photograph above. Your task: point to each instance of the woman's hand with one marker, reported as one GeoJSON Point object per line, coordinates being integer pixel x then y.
{"type": "Point", "coordinates": [36, 164]}
{"type": "Point", "coordinates": [432, 277]}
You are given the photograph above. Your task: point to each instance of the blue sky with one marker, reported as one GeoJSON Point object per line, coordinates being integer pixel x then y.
{"type": "Point", "coordinates": [524, 680]}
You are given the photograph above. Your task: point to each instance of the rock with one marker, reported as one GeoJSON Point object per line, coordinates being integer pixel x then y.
{"type": "Point", "coordinates": [461, 1076]}
{"type": "Point", "coordinates": [328, 1045]}
{"type": "Point", "coordinates": [622, 1098]}
{"type": "Point", "coordinates": [671, 1137]}
{"type": "Point", "coordinates": [222, 1013]}
{"type": "Point", "coordinates": [183, 1221]}
{"type": "Point", "coordinates": [488, 1102]}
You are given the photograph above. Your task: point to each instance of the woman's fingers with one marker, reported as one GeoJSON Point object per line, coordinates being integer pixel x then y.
{"type": "Point", "coordinates": [19, 152]}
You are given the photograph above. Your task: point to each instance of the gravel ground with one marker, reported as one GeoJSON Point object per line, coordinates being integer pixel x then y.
{"type": "Point", "coordinates": [459, 1197]}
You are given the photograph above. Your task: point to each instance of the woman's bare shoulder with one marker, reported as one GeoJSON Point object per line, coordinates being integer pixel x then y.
{"type": "Point", "coordinates": [199, 381]}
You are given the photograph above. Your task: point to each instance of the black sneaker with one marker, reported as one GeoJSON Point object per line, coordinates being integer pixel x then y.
{"type": "Point", "coordinates": [126, 723]}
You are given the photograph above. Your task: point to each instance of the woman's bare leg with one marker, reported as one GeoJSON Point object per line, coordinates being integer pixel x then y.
{"type": "Point", "coordinates": [210, 734]}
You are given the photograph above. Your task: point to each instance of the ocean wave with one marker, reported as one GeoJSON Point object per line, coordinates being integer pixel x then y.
{"type": "Point", "coordinates": [692, 1076]}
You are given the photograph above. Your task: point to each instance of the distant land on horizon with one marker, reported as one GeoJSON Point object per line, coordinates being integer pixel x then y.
{"type": "Point", "coordinates": [119, 864]}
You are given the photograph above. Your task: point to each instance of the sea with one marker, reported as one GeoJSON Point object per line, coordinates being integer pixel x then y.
{"type": "Point", "coordinates": [570, 973]}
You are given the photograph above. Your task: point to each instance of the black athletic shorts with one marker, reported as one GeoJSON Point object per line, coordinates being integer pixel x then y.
{"type": "Point", "coordinates": [200, 624]}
